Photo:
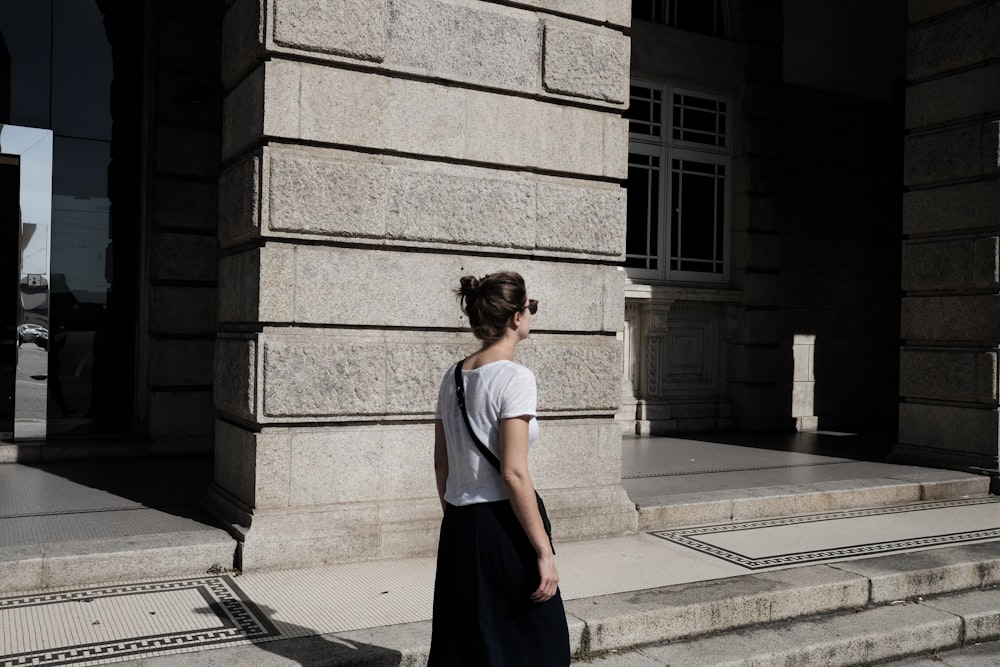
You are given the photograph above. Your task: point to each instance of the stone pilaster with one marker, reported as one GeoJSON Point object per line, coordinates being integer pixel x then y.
{"type": "Point", "coordinates": [374, 153]}
{"type": "Point", "coordinates": [950, 321]}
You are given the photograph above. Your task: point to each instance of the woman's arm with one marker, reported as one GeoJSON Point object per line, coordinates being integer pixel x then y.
{"type": "Point", "coordinates": [440, 459]}
{"type": "Point", "coordinates": [520, 490]}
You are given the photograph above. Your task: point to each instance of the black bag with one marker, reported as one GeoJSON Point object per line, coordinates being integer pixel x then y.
{"type": "Point", "coordinates": [490, 456]}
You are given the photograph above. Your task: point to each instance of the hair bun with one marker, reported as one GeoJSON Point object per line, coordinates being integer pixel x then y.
{"type": "Point", "coordinates": [469, 285]}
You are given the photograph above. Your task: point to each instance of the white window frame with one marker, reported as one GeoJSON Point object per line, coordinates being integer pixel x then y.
{"type": "Point", "coordinates": [668, 149]}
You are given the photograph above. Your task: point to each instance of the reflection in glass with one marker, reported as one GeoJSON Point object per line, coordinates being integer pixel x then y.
{"type": "Point", "coordinates": [29, 152]}
{"type": "Point", "coordinates": [60, 73]}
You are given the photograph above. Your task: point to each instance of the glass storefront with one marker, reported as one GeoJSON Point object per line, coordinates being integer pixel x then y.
{"type": "Point", "coordinates": [56, 73]}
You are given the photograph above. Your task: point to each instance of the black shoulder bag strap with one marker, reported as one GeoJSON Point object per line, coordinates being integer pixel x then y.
{"type": "Point", "coordinates": [489, 455]}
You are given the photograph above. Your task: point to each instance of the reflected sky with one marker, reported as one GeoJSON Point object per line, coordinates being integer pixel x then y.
{"type": "Point", "coordinates": [35, 148]}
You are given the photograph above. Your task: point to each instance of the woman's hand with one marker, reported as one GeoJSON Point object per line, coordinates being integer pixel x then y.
{"type": "Point", "coordinates": [549, 579]}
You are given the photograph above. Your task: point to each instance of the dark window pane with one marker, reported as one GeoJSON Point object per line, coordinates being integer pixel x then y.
{"type": "Point", "coordinates": [720, 218]}
{"type": "Point", "coordinates": [643, 211]}
{"type": "Point", "coordinates": [698, 217]}
{"type": "Point", "coordinates": [645, 109]}
{"type": "Point", "coordinates": [675, 219]}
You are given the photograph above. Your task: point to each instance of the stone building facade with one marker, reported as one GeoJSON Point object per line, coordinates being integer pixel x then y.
{"type": "Point", "coordinates": [736, 214]}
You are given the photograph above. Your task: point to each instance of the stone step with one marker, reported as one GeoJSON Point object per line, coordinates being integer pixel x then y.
{"type": "Point", "coordinates": [896, 485]}
{"type": "Point", "coordinates": [871, 636]}
{"type": "Point", "coordinates": [77, 563]}
{"type": "Point", "coordinates": [672, 613]}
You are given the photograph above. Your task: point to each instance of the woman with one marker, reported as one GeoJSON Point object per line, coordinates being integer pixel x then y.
{"type": "Point", "coordinates": [496, 595]}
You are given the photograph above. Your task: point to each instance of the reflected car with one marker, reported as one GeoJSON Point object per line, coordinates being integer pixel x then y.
{"type": "Point", "coordinates": [33, 333]}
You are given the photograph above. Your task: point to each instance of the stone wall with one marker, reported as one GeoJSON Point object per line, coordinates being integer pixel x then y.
{"type": "Point", "coordinates": [951, 224]}
{"type": "Point", "coordinates": [374, 152]}
{"type": "Point", "coordinates": [182, 265]}
{"type": "Point", "coordinates": [814, 240]}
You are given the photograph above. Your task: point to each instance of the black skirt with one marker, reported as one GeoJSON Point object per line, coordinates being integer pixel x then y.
{"type": "Point", "coordinates": [483, 614]}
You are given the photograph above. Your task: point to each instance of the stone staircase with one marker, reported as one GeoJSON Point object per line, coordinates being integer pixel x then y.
{"type": "Point", "coordinates": [850, 613]}
{"type": "Point", "coordinates": [855, 612]}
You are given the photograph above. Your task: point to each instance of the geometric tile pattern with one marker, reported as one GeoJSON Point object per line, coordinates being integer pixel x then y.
{"type": "Point", "coordinates": [796, 540]}
{"type": "Point", "coordinates": [101, 625]}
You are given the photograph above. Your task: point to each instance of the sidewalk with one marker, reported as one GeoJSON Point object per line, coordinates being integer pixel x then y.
{"type": "Point", "coordinates": [378, 612]}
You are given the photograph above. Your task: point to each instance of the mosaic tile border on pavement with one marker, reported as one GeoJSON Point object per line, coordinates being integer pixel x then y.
{"type": "Point", "coordinates": [699, 538]}
{"type": "Point", "coordinates": [64, 627]}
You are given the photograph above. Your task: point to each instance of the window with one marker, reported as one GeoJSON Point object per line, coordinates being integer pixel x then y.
{"type": "Point", "coordinates": [678, 185]}
{"type": "Point", "coordinates": [704, 16]}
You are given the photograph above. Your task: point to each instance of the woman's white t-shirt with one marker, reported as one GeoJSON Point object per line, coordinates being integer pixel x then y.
{"type": "Point", "coordinates": [498, 390]}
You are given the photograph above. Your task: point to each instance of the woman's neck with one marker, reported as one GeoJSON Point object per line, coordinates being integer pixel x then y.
{"type": "Point", "coordinates": [502, 350]}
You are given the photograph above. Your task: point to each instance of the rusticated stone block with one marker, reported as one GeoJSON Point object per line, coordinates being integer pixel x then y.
{"type": "Point", "coordinates": [576, 453]}
{"type": "Point", "coordinates": [965, 319]}
{"type": "Point", "coordinates": [331, 105]}
{"type": "Point", "coordinates": [965, 151]}
{"type": "Point", "coordinates": [317, 193]}
{"type": "Point", "coordinates": [183, 257]}
{"type": "Point", "coordinates": [257, 285]}
{"type": "Point", "coordinates": [291, 537]}
{"type": "Point", "coordinates": [951, 208]}
{"type": "Point", "coordinates": [415, 372]}
{"type": "Point", "coordinates": [471, 207]}
{"type": "Point", "coordinates": [573, 376]}
{"type": "Point", "coordinates": [184, 204]}
{"type": "Point", "coordinates": [947, 99]}
{"type": "Point", "coordinates": [235, 371]}
{"type": "Point", "coordinates": [960, 265]}
{"type": "Point", "coordinates": [952, 375]}
{"type": "Point", "coordinates": [961, 40]}
{"type": "Point", "coordinates": [242, 39]}
{"type": "Point", "coordinates": [253, 466]}
{"type": "Point", "coordinates": [354, 28]}
{"type": "Point", "coordinates": [181, 415]}
{"type": "Point", "coordinates": [586, 62]}
{"type": "Point", "coordinates": [384, 463]}
{"type": "Point", "coordinates": [479, 42]}
{"type": "Point", "coordinates": [415, 289]}
{"type": "Point", "coordinates": [307, 376]}
{"type": "Point", "coordinates": [175, 363]}
{"type": "Point", "coordinates": [182, 310]}
{"type": "Point", "coordinates": [243, 113]}
{"type": "Point", "coordinates": [972, 430]}
{"type": "Point", "coordinates": [187, 151]}
{"type": "Point", "coordinates": [239, 201]}
{"type": "Point", "coordinates": [576, 219]}
{"type": "Point", "coordinates": [310, 374]}
{"type": "Point", "coordinates": [326, 196]}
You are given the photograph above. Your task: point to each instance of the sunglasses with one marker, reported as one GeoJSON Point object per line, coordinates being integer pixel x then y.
{"type": "Point", "coordinates": [532, 306]}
